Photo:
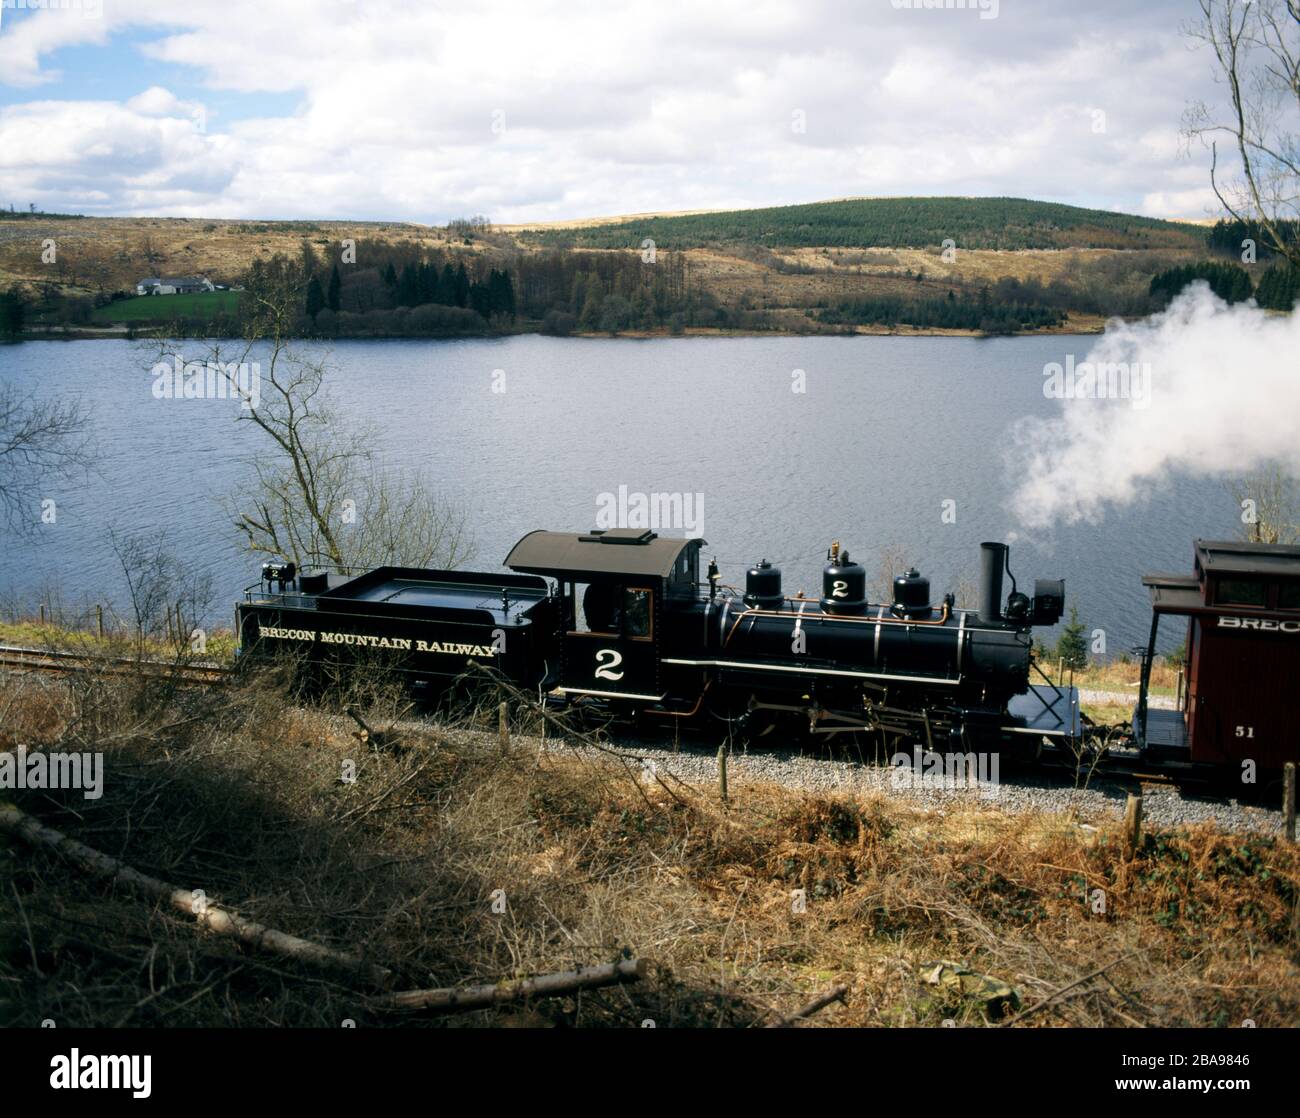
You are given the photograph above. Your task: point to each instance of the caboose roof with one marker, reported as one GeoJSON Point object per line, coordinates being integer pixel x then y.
{"type": "Point", "coordinates": [1232, 557]}
{"type": "Point", "coordinates": [1174, 593]}
{"type": "Point", "coordinates": [617, 551]}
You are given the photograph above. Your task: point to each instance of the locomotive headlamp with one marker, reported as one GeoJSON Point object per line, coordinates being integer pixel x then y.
{"type": "Point", "coordinates": [1049, 601]}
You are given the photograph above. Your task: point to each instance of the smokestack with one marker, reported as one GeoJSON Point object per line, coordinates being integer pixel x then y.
{"type": "Point", "coordinates": [993, 558]}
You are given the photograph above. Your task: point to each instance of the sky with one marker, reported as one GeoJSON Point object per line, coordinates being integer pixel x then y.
{"type": "Point", "coordinates": [533, 110]}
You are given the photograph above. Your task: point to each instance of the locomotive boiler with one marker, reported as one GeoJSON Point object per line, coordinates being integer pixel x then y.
{"type": "Point", "coordinates": [909, 668]}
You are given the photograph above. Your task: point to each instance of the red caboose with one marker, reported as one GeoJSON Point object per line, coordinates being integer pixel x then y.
{"type": "Point", "coordinates": [1242, 605]}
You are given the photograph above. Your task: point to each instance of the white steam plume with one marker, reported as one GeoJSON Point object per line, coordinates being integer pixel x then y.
{"type": "Point", "coordinates": [1224, 397]}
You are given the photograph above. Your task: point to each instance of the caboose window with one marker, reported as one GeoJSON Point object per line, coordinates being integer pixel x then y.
{"type": "Point", "coordinates": [1288, 595]}
{"type": "Point", "coordinates": [1241, 592]}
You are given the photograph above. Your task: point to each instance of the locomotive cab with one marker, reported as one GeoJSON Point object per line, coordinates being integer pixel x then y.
{"type": "Point", "coordinates": [615, 586]}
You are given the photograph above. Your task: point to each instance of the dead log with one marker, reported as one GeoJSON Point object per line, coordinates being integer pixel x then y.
{"type": "Point", "coordinates": [820, 1002]}
{"type": "Point", "coordinates": [465, 998]}
{"type": "Point", "coordinates": [207, 914]}
{"type": "Point", "coordinates": [375, 739]}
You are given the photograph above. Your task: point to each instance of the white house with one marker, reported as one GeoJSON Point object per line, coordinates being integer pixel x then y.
{"type": "Point", "coordinates": [180, 285]}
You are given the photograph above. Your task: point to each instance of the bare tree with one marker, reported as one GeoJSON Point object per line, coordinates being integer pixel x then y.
{"type": "Point", "coordinates": [893, 562]}
{"type": "Point", "coordinates": [167, 597]}
{"type": "Point", "coordinates": [323, 496]}
{"type": "Point", "coordinates": [1256, 47]}
{"type": "Point", "coordinates": [1270, 506]}
{"type": "Point", "coordinates": [40, 441]}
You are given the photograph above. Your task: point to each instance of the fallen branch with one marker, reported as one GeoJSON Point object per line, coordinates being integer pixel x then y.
{"type": "Point", "coordinates": [211, 916]}
{"type": "Point", "coordinates": [820, 1002]}
{"type": "Point", "coordinates": [465, 998]}
{"type": "Point", "coordinates": [1064, 989]}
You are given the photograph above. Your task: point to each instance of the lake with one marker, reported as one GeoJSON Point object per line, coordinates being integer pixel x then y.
{"type": "Point", "coordinates": [529, 432]}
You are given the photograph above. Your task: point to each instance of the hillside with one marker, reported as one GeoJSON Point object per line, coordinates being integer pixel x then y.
{"type": "Point", "coordinates": [877, 265]}
{"type": "Point", "coordinates": [971, 223]}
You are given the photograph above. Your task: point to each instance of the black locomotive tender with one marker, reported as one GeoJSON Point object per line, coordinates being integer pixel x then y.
{"type": "Point", "coordinates": [619, 620]}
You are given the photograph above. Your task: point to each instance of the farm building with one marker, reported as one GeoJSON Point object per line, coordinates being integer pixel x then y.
{"type": "Point", "coordinates": [180, 285]}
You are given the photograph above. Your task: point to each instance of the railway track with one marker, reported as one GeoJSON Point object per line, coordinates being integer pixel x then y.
{"type": "Point", "coordinates": [1056, 787]}
{"type": "Point", "coordinates": [1117, 764]}
{"type": "Point", "coordinates": [15, 657]}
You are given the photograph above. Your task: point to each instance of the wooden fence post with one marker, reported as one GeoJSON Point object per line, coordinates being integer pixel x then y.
{"type": "Point", "coordinates": [1133, 824]}
{"type": "Point", "coordinates": [1288, 799]}
{"type": "Point", "coordinates": [99, 620]}
{"type": "Point", "coordinates": [722, 771]}
{"type": "Point", "coordinates": [42, 613]}
{"type": "Point", "coordinates": [503, 727]}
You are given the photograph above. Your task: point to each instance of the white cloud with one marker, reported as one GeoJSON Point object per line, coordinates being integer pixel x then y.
{"type": "Point", "coordinates": [653, 105]}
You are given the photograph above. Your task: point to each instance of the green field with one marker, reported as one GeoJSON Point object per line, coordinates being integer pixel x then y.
{"type": "Point", "coordinates": [973, 223]}
{"type": "Point", "coordinates": [165, 308]}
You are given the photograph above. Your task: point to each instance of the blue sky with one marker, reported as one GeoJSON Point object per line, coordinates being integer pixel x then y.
{"type": "Point", "coordinates": [113, 72]}
{"type": "Point", "coordinates": [544, 111]}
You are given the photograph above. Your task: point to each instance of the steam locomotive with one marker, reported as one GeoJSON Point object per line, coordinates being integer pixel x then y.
{"type": "Point", "coordinates": [619, 621]}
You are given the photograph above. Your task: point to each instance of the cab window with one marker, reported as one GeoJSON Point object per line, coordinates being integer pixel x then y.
{"type": "Point", "coordinates": [1241, 592]}
{"type": "Point", "coordinates": [1288, 595]}
{"type": "Point", "coordinates": [636, 612]}
{"type": "Point", "coordinates": [600, 608]}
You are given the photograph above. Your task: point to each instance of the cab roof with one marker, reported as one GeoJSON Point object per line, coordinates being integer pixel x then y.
{"type": "Point", "coordinates": [614, 551]}
{"type": "Point", "coordinates": [1233, 557]}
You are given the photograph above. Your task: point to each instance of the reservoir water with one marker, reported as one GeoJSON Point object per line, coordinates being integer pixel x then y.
{"type": "Point", "coordinates": [892, 443]}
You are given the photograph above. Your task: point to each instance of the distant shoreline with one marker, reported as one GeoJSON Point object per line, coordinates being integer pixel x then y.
{"type": "Point", "coordinates": [121, 333]}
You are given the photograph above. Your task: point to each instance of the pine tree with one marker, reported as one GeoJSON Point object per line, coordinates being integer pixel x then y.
{"type": "Point", "coordinates": [408, 286]}
{"type": "Point", "coordinates": [594, 297]}
{"type": "Point", "coordinates": [11, 313]}
{"type": "Point", "coordinates": [428, 287]}
{"type": "Point", "coordinates": [1279, 287]}
{"type": "Point", "coordinates": [315, 297]}
{"type": "Point", "coordinates": [1072, 648]}
{"type": "Point", "coordinates": [508, 293]}
{"type": "Point", "coordinates": [446, 292]}
{"type": "Point", "coordinates": [332, 298]}
{"type": "Point", "coordinates": [480, 299]}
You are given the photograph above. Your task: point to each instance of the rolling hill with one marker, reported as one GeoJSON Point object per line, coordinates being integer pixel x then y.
{"type": "Point", "coordinates": [972, 223]}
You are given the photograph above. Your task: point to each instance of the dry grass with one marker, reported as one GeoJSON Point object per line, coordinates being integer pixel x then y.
{"type": "Point", "coordinates": [240, 793]}
{"type": "Point", "coordinates": [98, 254]}
{"type": "Point", "coordinates": [1124, 675]}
